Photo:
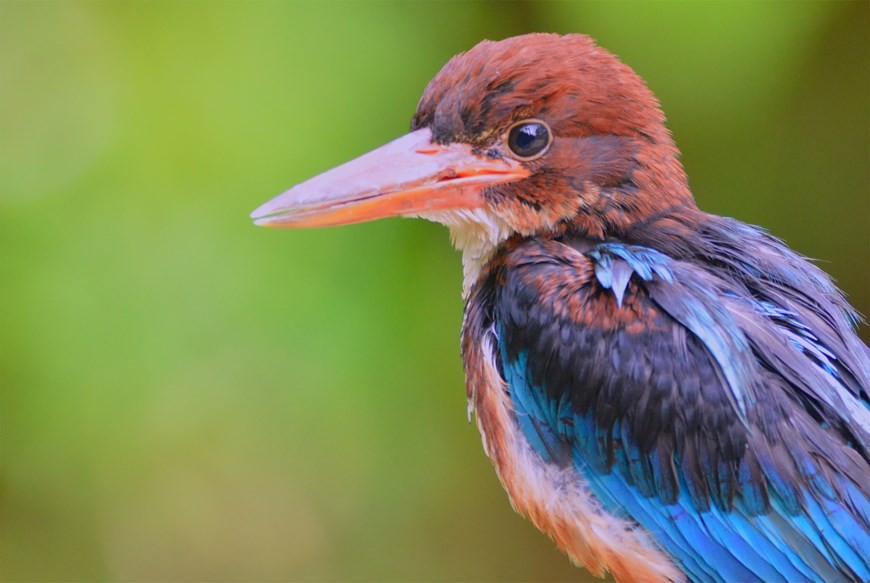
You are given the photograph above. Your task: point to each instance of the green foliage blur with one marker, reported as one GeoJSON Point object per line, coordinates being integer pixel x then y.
{"type": "Point", "coordinates": [184, 396]}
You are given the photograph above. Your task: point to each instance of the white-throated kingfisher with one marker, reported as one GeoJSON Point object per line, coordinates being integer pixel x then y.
{"type": "Point", "coordinates": [669, 394]}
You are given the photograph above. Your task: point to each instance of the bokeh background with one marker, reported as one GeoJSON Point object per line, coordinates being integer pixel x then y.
{"type": "Point", "coordinates": [186, 397]}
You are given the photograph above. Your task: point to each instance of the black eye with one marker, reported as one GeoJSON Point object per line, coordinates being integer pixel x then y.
{"type": "Point", "coordinates": [529, 139]}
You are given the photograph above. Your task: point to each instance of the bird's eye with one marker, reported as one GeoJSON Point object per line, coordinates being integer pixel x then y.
{"type": "Point", "coordinates": [529, 139]}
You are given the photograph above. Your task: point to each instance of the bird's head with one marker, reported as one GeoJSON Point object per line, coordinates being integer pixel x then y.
{"type": "Point", "coordinates": [529, 135]}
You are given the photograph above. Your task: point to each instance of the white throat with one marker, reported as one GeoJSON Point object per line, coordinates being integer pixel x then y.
{"type": "Point", "coordinates": [476, 233]}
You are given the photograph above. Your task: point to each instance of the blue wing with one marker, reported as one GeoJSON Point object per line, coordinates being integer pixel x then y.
{"type": "Point", "coordinates": [730, 424]}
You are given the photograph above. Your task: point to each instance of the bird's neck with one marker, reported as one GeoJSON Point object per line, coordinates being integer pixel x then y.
{"type": "Point", "coordinates": [647, 186]}
{"type": "Point", "coordinates": [651, 195]}
{"type": "Point", "coordinates": [477, 234]}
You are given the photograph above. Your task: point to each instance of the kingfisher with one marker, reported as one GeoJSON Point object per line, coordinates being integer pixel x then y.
{"type": "Point", "coordinates": [670, 395]}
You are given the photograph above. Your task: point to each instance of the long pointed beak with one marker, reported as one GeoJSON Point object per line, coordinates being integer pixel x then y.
{"type": "Point", "coordinates": [408, 176]}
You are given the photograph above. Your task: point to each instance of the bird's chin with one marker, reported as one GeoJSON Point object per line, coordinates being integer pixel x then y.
{"type": "Point", "coordinates": [476, 233]}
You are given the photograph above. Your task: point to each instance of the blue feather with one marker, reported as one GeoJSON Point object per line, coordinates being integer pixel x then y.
{"type": "Point", "coordinates": [842, 534]}
{"type": "Point", "coordinates": [748, 503]}
{"type": "Point", "coordinates": [697, 307]}
{"type": "Point", "coordinates": [731, 545]}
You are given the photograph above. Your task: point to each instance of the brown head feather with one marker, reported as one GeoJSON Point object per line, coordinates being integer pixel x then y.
{"type": "Point", "coordinates": [612, 163]}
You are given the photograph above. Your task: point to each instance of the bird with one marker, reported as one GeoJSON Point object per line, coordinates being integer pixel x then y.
{"type": "Point", "coordinates": [669, 394]}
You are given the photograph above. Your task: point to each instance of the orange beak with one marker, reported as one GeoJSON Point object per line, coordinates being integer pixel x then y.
{"type": "Point", "coordinates": [408, 176]}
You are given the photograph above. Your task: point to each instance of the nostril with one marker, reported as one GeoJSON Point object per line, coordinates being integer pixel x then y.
{"type": "Point", "coordinates": [447, 174]}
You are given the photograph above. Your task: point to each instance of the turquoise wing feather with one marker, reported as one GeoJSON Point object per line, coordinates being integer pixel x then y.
{"type": "Point", "coordinates": [715, 419]}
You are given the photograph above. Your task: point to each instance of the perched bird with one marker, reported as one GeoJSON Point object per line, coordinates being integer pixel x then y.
{"type": "Point", "coordinates": [669, 394]}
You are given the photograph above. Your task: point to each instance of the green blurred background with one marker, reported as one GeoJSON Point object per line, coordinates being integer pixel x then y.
{"type": "Point", "coordinates": [184, 396]}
